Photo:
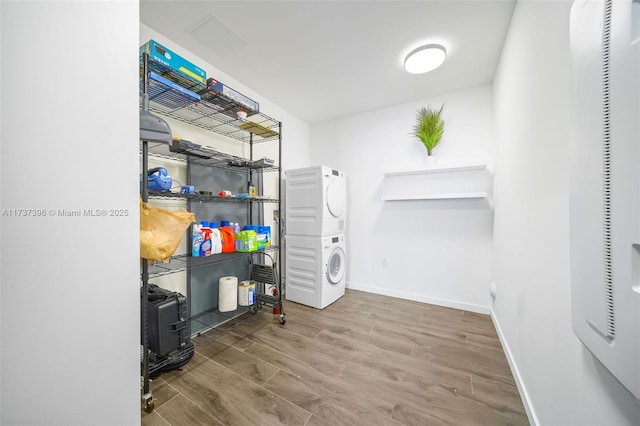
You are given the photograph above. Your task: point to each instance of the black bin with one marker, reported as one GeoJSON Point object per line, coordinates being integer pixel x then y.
{"type": "Point", "coordinates": [168, 325]}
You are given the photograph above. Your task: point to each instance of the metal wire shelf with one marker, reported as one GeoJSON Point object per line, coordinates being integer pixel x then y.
{"type": "Point", "coordinates": [209, 198]}
{"type": "Point", "coordinates": [157, 363]}
{"type": "Point", "coordinates": [170, 95]}
{"type": "Point", "coordinates": [209, 157]}
{"type": "Point", "coordinates": [187, 106]}
{"type": "Point", "coordinates": [180, 262]}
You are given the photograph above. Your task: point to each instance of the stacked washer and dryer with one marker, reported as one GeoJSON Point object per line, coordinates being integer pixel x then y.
{"type": "Point", "coordinates": [316, 205]}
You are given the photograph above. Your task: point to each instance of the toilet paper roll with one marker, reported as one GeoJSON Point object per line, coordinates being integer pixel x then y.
{"type": "Point", "coordinates": [246, 293]}
{"type": "Point", "coordinates": [228, 294]}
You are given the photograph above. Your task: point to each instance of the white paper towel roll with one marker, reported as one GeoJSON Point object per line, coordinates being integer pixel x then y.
{"type": "Point", "coordinates": [228, 294]}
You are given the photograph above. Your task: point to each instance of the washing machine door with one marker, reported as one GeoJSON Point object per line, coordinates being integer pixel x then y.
{"type": "Point", "coordinates": [336, 265]}
{"type": "Point", "coordinates": [336, 197]}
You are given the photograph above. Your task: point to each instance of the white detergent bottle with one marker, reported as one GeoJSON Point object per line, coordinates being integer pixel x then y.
{"type": "Point", "coordinates": [197, 238]}
{"type": "Point", "coordinates": [216, 238]}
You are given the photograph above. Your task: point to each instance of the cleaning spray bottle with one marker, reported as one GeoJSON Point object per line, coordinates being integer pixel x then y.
{"type": "Point", "coordinates": [205, 247]}
{"type": "Point", "coordinates": [196, 239]}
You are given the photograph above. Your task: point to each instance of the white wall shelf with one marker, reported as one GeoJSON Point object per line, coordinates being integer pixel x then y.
{"type": "Point", "coordinates": [470, 180]}
{"type": "Point", "coordinates": [437, 169]}
{"type": "Point", "coordinates": [442, 196]}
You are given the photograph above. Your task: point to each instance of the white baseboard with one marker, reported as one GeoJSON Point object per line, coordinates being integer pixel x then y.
{"type": "Point", "coordinates": [420, 298]}
{"type": "Point", "coordinates": [531, 414]}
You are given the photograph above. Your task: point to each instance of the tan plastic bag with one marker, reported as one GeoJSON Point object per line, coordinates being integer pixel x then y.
{"type": "Point", "coordinates": [161, 231]}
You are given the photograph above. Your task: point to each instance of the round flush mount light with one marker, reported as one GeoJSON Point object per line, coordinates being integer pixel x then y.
{"type": "Point", "coordinates": [425, 58]}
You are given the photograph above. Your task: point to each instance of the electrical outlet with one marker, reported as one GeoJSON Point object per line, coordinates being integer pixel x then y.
{"type": "Point", "coordinates": [276, 214]}
{"type": "Point", "coordinates": [385, 262]}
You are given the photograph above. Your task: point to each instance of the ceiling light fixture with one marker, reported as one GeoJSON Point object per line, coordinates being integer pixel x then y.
{"type": "Point", "coordinates": [425, 58]}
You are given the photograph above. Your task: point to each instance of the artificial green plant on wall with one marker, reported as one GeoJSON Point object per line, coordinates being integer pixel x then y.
{"type": "Point", "coordinates": [429, 127]}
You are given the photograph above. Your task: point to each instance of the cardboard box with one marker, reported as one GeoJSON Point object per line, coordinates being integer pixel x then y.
{"type": "Point", "coordinates": [172, 60]}
{"type": "Point", "coordinates": [263, 235]}
{"type": "Point", "coordinates": [230, 99]}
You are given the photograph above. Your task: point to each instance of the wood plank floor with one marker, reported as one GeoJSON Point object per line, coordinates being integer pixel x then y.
{"type": "Point", "coordinates": [364, 360]}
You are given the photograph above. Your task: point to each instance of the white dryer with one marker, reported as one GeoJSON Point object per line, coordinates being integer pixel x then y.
{"type": "Point", "coordinates": [316, 201]}
{"type": "Point", "coordinates": [316, 269]}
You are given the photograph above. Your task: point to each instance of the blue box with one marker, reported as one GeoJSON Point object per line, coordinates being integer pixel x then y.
{"type": "Point", "coordinates": [170, 59]}
{"type": "Point", "coordinates": [169, 94]}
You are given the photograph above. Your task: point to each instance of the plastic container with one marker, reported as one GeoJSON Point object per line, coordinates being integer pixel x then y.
{"type": "Point", "coordinates": [216, 241]}
{"type": "Point", "coordinates": [236, 231]}
{"type": "Point", "coordinates": [246, 293]}
{"type": "Point", "coordinates": [205, 246]}
{"type": "Point", "coordinates": [216, 238]}
{"type": "Point", "coordinates": [228, 239]}
{"type": "Point", "coordinates": [197, 237]}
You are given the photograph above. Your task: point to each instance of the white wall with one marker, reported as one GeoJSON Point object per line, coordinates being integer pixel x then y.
{"type": "Point", "coordinates": [563, 383]}
{"type": "Point", "coordinates": [70, 285]}
{"type": "Point", "coordinates": [435, 251]}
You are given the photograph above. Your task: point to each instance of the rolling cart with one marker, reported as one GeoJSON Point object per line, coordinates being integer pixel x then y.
{"type": "Point", "coordinates": [268, 288]}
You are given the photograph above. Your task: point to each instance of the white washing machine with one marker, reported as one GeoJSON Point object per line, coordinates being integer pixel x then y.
{"type": "Point", "coordinates": [316, 269]}
{"type": "Point", "coordinates": [316, 202]}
